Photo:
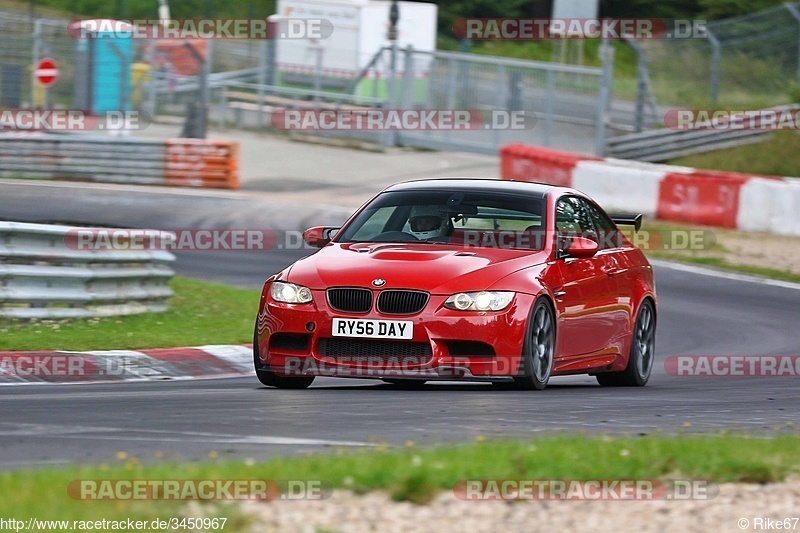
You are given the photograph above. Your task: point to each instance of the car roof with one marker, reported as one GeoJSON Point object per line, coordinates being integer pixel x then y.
{"type": "Point", "coordinates": [536, 190]}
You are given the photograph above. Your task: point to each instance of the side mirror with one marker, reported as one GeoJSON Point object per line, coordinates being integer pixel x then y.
{"type": "Point", "coordinates": [581, 248]}
{"type": "Point", "coordinates": [319, 236]}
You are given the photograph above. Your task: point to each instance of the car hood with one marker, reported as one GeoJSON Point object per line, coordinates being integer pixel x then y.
{"type": "Point", "coordinates": [438, 269]}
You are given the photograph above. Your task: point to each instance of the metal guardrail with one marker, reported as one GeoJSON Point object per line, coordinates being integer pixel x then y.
{"type": "Point", "coordinates": [41, 276]}
{"type": "Point", "coordinates": [174, 162]}
{"type": "Point", "coordinates": [84, 157]}
{"type": "Point", "coordinates": [665, 144]}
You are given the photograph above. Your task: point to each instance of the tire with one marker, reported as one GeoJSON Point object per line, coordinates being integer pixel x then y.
{"type": "Point", "coordinates": [642, 353]}
{"type": "Point", "coordinates": [270, 379]}
{"type": "Point", "coordinates": [538, 349]}
{"type": "Point", "coordinates": [407, 384]}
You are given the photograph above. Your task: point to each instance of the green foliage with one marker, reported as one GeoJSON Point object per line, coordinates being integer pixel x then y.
{"type": "Point", "coordinates": [776, 156]}
{"type": "Point", "coordinates": [199, 313]}
{"type": "Point", "coordinates": [449, 10]}
{"type": "Point", "coordinates": [418, 475]}
{"type": "Point", "coordinates": [650, 9]}
{"type": "Point", "coordinates": [124, 9]}
{"type": "Point", "coordinates": [718, 9]}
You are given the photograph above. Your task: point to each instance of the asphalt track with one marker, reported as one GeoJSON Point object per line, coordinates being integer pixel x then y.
{"type": "Point", "coordinates": [700, 313]}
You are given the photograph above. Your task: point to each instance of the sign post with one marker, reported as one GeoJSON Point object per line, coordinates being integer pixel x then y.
{"type": "Point", "coordinates": [46, 74]}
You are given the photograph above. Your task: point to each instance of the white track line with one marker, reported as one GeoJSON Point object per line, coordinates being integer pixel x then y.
{"type": "Point", "coordinates": [143, 188]}
{"type": "Point", "coordinates": [704, 271]}
{"type": "Point", "coordinates": [112, 433]}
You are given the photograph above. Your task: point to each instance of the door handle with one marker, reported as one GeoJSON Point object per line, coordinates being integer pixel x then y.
{"type": "Point", "coordinates": [559, 294]}
{"type": "Point", "coordinates": [614, 271]}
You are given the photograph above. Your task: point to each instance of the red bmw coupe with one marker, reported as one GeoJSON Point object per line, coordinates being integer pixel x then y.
{"type": "Point", "coordinates": [463, 279]}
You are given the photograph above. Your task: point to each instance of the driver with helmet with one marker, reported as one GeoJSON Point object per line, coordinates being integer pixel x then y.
{"type": "Point", "coordinates": [427, 223]}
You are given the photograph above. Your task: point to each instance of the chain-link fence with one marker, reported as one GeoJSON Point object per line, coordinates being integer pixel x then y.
{"type": "Point", "coordinates": [23, 43]}
{"type": "Point", "coordinates": [242, 81]}
{"type": "Point", "coordinates": [559, 105]}
{"type": "Point", "coordinates": [751, 61]}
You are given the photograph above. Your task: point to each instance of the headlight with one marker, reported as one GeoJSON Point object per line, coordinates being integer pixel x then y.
{"type": "Point", "coordinates": [479, 301]}
{"type": "Point", "coordinates": [289, 293]}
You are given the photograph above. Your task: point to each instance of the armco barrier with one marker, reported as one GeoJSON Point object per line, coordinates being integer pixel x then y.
{"type": "Point", "coordinates": [177, 162]}
{"type": "Point", "coordinates": [714, 198]}
{"type": "Point", "coordinates": [41, 276]}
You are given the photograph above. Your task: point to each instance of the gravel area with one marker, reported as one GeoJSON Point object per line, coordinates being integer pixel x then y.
{"type": "Point", "coordinates": [375, 512]}
{"type": "Point", "coordinates": [778, 252]}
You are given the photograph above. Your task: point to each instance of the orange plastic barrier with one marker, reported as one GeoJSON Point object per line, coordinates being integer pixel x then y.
{"type": "Point", "coordinates": [202, 163]}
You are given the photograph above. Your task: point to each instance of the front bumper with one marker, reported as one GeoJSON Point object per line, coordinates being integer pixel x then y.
{"type": "Point", "coordinates": [294, 340]}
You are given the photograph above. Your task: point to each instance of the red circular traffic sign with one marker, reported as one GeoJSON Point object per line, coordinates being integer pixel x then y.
{"type": "Point", "coordinates": [46, 72]}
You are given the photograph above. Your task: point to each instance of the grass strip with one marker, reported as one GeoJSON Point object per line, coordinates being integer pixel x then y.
{"type": "Point", "coordinates": [418, 474]}
{"type": "Point", "coordinates": [774, 156]}
{"type": "Point", "coordinates": [199, 313]}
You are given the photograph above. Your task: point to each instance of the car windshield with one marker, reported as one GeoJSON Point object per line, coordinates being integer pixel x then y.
{"type": "Point", "coordinates": [459, 218]}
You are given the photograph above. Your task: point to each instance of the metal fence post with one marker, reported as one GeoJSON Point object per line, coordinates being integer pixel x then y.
{"type": "Point", "coordinates": [200, 128]}
{"type": "Point", "coordinates": [604, 96]}
{"type": "Point", "coordinates": [408, 79]}
{"type": "Point", "coordinates": [262, 79]}
{"type": "Point", "coordinates": [451, 83]}
{"type": "Point", "coordinates": [548, 119]}
{"type": "Point", "coordinates": [499, 100]}
{"type": "Point", "coordinates": [318, 49]}
{"type": "Point", "coordinates": [37, 35]}
{"type": "Point", "coordinates": [202, 123]}
{"type": "Point", "coordinates": [149, 103]}
{"type": "Point", "coordinates": [641, 86]}
{"type": "Point", "coordinates": [796, 14]}
{"type": "Point", "coordinates": [716, 57]}
{"type": "Point", "coordinates": [272, 63]}
{"type": "Point", "coordinates": [390, 138]}
{"type": "Point", "coordinates": [222, 119]}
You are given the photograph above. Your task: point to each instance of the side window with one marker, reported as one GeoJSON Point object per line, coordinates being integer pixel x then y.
{"type": "Point", "coordinates": [567, 221]}
{"type": "Point", "coordinates": [572, 219]}
{"type": "Point", "coordinates": [608, 236]}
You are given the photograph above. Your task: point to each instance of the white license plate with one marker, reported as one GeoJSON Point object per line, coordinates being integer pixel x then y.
{"type": "Point", "coordinates": [373, 329]}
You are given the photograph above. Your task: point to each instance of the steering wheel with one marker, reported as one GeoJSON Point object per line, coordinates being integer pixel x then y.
{"type": "Point", "coordinates": [395, 236]}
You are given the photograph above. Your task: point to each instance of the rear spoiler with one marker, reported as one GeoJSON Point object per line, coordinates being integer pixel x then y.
{"type": "Point", "coordinates": [628, 220]}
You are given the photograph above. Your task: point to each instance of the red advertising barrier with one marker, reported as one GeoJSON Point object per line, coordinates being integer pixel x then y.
{"type": "Point", "coordinates": [708, 198]}
{"type": "Point", "coordinates": [543, 165]}
{"type": "Point", "coordinates": [705, 197]}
